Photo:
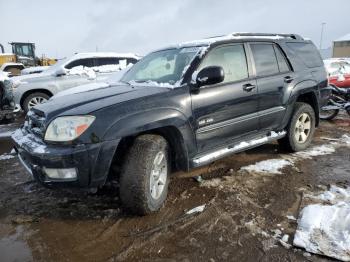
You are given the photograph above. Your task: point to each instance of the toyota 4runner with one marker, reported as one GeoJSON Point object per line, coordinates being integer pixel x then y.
{"type": "Point", "coordinates": [177, 108]}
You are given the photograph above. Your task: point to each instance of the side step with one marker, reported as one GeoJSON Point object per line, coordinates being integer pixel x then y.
{"type": "Point", "coordinates": [242, 146]}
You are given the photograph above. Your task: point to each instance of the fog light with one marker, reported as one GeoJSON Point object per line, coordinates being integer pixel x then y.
{"type": "Point", "coordinates": [61, 173]}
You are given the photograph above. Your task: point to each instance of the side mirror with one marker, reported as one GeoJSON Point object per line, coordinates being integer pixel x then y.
{"type": "Point", "coordinates": [61, 71]}
{"type": "Point", "coordinates": [210, 75]}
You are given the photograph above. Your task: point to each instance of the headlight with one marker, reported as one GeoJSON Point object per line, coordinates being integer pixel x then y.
{"type": "Point", "coordinates": [67, 128]}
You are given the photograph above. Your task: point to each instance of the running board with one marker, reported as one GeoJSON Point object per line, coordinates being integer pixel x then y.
{"type": "Point", "coordinates": [202, 160]}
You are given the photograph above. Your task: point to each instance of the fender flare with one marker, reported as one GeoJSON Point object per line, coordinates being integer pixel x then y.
{"type": "Point", "coordinates": [156, 121]}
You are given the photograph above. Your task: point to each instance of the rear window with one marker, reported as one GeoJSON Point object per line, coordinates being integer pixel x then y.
{"type": "Point", "coordinates": [308, 53]}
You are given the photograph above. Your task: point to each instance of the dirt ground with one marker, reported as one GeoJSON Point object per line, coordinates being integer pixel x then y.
{"type": "Point", "coordinates": [242, 213]}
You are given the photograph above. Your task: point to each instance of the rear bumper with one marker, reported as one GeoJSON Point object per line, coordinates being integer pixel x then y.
{"type": "Point", "coordinates": [91, 161]}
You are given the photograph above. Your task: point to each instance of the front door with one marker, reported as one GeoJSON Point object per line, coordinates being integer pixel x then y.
{"type": "Point", "coordinates": [228, 110]}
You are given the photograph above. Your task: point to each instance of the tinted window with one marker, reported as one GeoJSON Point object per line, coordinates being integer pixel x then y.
{"type": "Point", "coordinates": [282, 62]}
{"type": "Point", "coordinates": [231, 58]}
{"type": "Point", "coordinates": [107, 61]}
{"type": "Point", "coordinates": [265, 59]}
{"type": "Point", "coordinates": [131, 60]}
{"type": "Point", "coordinates": [308, 53]}
{"type": "Point", "coordinates": [88, 62]}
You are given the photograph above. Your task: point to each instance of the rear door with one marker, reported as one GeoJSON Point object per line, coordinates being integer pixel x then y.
{"type": "Point", "coordinates": [274, 76]}
{"type": "Point", "coordinates": [228, 110]}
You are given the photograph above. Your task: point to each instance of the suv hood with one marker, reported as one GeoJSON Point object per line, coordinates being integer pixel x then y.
{"type": "Point", "coordinates": [90, 101]}
{"type": "Point", "coordinates": [31, 78]}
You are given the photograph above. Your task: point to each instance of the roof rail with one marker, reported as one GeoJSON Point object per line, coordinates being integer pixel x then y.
{"type": "Point", "coordinates": [292, 36]}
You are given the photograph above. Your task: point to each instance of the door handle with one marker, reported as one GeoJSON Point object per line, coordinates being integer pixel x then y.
{"type": "Point", "coordinates": [288, 79]}
{"type": "Point", "coordinates": [248, 87]}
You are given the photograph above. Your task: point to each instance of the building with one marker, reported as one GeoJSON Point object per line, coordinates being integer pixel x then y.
{"type": "Point", "coordinates": [341, 46]}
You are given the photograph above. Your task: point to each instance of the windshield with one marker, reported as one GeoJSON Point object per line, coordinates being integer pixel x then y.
{"type": "Point", "coordinates": [162, 67]}
{"type": "Point", "coordinates": [57, 65]}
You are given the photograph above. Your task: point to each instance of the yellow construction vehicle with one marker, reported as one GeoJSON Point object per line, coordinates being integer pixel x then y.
{"type": "Point", "coordinates": [23, 55]}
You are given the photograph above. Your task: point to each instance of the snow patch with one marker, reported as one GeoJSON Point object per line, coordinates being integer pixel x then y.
{"type": "Point", "coordinates": [271, 166]}
{"type": "Point", "coordinates": [316, 151]}
{"type": "Point", "coordinates": [324, 228]}
{"type": "Point", "coordinates": [198, 209]}
{"type": "Point", "coordinates": [6, 156]}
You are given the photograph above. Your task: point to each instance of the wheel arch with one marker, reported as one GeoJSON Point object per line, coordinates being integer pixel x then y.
{"type": "Point", "coordinates": [32, 91]}
{"type": "Point", "coordinates": [168, 123]}
{"type": "Point", "coordinates": [311, 99]}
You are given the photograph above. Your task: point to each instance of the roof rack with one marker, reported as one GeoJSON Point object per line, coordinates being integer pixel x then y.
{"type": "Point", "coordinates": [292, 36]}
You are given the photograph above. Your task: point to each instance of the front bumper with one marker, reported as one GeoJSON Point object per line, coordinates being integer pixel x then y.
{"type": "Point", "coordinates": [92, 161]}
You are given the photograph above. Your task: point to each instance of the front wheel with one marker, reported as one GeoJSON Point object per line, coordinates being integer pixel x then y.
{"type": "Point", "coordinates": [300, 129]}
{"type": "Point", "coordinates": [145, 175]}
{"type": "Point", "coordinates": [34, 99]}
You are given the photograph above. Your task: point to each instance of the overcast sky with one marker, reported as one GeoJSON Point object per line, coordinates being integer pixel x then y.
{"type": "Point", "coordinates": [61, 28]}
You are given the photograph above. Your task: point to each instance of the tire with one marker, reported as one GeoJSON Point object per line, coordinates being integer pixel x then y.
{"type": "Point", "coordinates": [295, 127]}
{"type": "Point", "coordinates": [27, 103]}
{"type": "Point", "coordinates": [330, 115]}
{"type": "Point", "coordinates": [136, 176]}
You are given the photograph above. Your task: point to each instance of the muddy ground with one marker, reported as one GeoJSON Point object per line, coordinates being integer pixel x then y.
{"type": "Point", "coordinates": [242, 213]}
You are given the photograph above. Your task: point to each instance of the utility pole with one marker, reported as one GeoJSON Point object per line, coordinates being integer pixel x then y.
{"type": "Point", "coordinates": [321, 38]}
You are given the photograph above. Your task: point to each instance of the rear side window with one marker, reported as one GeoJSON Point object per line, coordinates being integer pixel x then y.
{"type": "Point", "coordinates": [107, 61]}
{"type": "Point", "coordinates": [282, 62]}
{"type": "Point", "coordinates": [265, 59]}
{"type": "Point", "coordinates": [122, 62]}
{"type": "Point", "coordinates": [88, 62]}
{"type": "Point", "coordinates": [308, 53]}
{"type": "Point", "coordinates": [231, 58]}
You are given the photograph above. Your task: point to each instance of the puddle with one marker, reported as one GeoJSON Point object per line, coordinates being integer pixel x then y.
{"type": "Point", "coordinates": [13, 248]}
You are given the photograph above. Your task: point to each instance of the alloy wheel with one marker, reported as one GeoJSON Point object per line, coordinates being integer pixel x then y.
{"type": "Point", "coordinates": [158, 177]}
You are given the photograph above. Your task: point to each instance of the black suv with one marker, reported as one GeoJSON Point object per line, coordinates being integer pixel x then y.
{"type": "Point", "coordinates": [177, 108]}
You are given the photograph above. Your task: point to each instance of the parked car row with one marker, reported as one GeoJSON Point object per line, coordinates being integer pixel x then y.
{"type": "Point", "coordinates": [178, 108]}
{"type": "Point", "coordinates": [82, 68]}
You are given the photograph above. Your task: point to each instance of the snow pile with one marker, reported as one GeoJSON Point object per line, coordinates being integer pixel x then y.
{"type": "Point", "coordinates": [90, 72]}
{"type": "Point", "coordinates": [6, 156]}
{"type": "Point", "coordinates": [274, 166]}
{"type": "Point", "coordinates": [82, 71]}
{"type": "Point", "coordinates": [34, 70]}
{"type": "Point", "coordinates": [271, 166]}
{"type": "Point", "coordinates": [324, 228]}
{"type": "Point", "coordinates": [316, 151]}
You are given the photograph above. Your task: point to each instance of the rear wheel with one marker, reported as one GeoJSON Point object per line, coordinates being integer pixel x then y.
{"type": "Point", "coordinates": [34, 99]}
{"type": "Point", "coordinates": [300, 129]}
{"type": "Point", "coordinates": [145, 175]}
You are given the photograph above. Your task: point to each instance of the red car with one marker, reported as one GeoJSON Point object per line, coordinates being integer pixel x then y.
{"type": "Point", "coordinates": [338, 71]}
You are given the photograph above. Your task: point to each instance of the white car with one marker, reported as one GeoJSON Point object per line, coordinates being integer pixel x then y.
{"type": "Point", "coordinates": [82, 68]}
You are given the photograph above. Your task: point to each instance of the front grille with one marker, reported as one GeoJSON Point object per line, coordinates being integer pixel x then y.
{"type": "Point", "coordinates": [34, 124]}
